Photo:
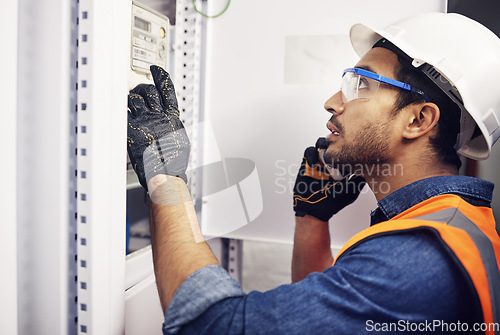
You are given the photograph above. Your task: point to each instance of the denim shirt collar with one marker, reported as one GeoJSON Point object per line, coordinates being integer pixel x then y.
{"type": "Point", "coordinates": [414, 193]}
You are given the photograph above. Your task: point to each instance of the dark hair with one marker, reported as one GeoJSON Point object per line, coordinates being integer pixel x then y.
{"type": "Point", "coordinates": [444, 141]}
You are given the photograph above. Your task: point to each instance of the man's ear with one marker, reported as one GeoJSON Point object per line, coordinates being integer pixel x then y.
{"type": "Point", "coordinates": [421, 118]}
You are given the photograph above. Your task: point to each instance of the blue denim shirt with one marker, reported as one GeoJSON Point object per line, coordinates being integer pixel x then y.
{"type": "Point", "coordinates": [400, 283]}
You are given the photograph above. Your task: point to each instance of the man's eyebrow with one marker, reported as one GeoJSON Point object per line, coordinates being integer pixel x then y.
{"type": "Point", "coordinates": [366, 67]}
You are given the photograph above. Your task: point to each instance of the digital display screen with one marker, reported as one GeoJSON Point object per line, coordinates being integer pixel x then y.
{"type": "Point", "coordinates": [141, 23]}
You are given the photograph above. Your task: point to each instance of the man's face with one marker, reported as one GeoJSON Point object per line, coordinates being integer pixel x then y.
{"type": "Point", "coordinates": [362, 130]}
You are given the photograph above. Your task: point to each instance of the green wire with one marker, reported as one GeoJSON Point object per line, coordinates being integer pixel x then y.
{"type": "Point", "coordinates": [209, 16]}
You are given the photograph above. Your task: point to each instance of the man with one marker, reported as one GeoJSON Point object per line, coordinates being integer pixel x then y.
{"type": "Point", "coordinates": [428, 263]}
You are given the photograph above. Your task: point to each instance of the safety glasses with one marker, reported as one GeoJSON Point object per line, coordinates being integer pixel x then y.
{"type": "Point", "coordinates": [362, 84]}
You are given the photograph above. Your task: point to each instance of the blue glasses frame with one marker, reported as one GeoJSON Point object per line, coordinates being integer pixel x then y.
{"type": "Point", "coordinates": [385, 80]}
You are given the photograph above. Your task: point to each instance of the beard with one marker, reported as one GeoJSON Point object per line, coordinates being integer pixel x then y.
{"type": "Point", "coordinates": [369, 148]}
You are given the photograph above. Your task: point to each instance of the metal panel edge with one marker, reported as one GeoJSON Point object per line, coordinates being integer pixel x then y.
{"type": "Point", "coordinates": [103, 56]}
{"type": "Point", "coordinates": [8, 205]}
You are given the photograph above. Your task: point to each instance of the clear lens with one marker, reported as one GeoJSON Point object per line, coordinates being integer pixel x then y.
{"type": "Point", "coordinates": [356, 86]}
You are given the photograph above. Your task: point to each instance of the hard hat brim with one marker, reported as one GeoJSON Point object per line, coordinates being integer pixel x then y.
{"type": "Point", "coordinates": [363, 38]}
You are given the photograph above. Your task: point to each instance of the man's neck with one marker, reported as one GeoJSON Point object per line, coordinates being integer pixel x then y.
{"type": "Point", "coordinates": [383, 179]}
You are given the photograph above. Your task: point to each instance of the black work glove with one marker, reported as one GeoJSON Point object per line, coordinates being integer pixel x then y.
{"type": "Point", "coordinates": [316, 193]}
{"type": "Point", "coordinates": [157, 140]}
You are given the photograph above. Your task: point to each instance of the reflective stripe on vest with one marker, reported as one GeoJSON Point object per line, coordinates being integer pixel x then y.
{"type": "Point", "coordinates": [453, 217]}
{"type": "Point", "coordinates": [468, 231]}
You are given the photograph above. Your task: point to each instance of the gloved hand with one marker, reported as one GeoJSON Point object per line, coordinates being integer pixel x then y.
{"type": "Point", "coordinates": [157, 140]}
{"type": "Point", "coordinates": [316, 193]}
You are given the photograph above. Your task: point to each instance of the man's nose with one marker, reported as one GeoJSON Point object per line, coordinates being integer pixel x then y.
{"type": "Point", "coordinates": [334, 104]}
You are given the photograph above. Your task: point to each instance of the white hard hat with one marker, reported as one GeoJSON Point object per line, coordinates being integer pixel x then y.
{"type": "Point", "coordinates": [458, 54]}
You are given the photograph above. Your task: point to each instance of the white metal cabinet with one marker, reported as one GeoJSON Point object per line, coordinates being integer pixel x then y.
{"type": "Point", "coordinates": [45, 205]}
{"type": "Point", "coordinates": [8, 193]}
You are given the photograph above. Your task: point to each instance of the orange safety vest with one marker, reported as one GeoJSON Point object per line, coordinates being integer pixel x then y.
{"type": "Point", "coordinates": [467, 230]}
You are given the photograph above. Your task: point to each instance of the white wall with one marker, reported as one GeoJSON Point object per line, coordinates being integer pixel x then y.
{"type": "Point", "coordinates": [264, 107]}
